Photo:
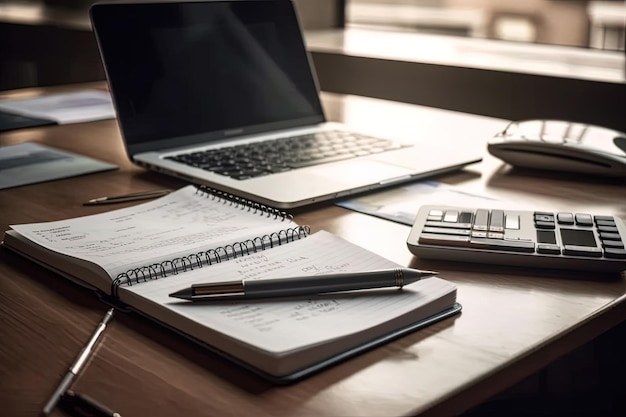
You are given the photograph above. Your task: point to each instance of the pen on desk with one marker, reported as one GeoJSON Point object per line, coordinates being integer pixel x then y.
{"type": "Point", "coordinates": [78, 364]}
{"type": "Point", "coordinates": [127, 197]}
{"type": "Point", "coordinates": [315, 284]}
{"type": "Point", "coordinates": [84, 406]}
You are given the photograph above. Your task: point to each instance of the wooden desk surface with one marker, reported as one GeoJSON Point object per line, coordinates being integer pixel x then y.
{"type": "Point", "coordinates": [514, 321]}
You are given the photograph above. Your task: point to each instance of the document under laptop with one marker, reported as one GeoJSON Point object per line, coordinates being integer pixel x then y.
{"type": "Point", "coordinates": [190, 78]}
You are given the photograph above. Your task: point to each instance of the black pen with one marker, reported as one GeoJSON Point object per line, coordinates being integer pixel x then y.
{"type": "Point", "coordinates": [314, 284]}
{"type": "Point", "coordinates": [78, 364]}
{"type": "Point", "coordinates": [84, 406]}
{"type": "Point", "coordinates": [142, 195]}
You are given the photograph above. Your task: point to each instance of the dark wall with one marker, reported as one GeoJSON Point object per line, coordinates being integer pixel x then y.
{"type": "Point", "coordinates": [43, 55]}
{"type": "Point", "coordinates": [491, 93]}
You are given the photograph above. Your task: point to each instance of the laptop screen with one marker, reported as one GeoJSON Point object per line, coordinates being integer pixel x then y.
{"type": "Point", "coordinates": [184, 73]}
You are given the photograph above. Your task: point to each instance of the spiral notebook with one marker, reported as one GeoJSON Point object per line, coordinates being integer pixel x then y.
{"type": "Point", "coordinates": [134, 257]}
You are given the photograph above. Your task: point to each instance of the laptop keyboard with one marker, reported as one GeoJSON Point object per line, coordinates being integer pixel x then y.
{"type": "Point", "coordinates": [279, 155]}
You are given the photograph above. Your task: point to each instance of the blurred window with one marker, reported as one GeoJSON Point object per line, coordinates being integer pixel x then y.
{"type": "Point", "coordinates": [589, 24]}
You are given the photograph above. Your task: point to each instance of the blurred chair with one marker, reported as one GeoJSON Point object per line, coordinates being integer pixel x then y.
{"type": "Point", "coordinates": [607, 21]}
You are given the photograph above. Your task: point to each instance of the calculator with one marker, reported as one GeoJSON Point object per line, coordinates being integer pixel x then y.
{"type": "Point", "coordinates": [542, 239]}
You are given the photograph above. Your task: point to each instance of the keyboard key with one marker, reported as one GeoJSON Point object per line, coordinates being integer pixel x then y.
{"type": "Point", "coordinates": [613, 244]}
{"type": "Point", "coordinates": [435, 215]}
{"type": "Point", "coordinates": [544, 217]}
{"type": "Point", "coordinates": [565, 218]}
{"type": "Point", "coordinates": [496, 223]}
{"type": "Point", "coordinates": [444, 224]}
{"type": "Point", "coordinates": [466, 217]}
{"type": "Point", "coordinates": [545, 225]}
{"type": "Point", "coordinates": [574, 250]}
{"type": "Point", "coordinates": [584, 219]}
{"type": "Point", "coordinates": [544, 220]}
{"type": "Point", "coordinates": [546, 236]}
{"type": "Point", "coordinates": [610, 222]}
{"type": "Point", "coordinates": [604, 218]}
{"type": "Point", "coordinates": [451, 216]}
{"type": "Point", "coordinates": [610, 236]}
{"type": "Point", "coordinates": [608, 229]}
{"type": "Point", "coordinates": [446, 231]}
{"type": "Point", "coordinates": [511, 222]}
{"type": "Point", "coordinates": [446, 240]}
{"type": "Point", "coordinates": [615, 253]}
{"type": "Point", "coordinates": [548, 249]}
{"type": "Point", "coordinates": [481, 220]}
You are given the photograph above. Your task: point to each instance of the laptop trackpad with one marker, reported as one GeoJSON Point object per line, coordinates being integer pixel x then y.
{"type": "Point", "coordinates": [360, 172]}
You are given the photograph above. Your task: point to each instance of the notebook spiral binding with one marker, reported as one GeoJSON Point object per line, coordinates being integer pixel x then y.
{"type": "Point", "coordinates": [219, 254]}
{"type": "Point", "coordinates": [242, 203]}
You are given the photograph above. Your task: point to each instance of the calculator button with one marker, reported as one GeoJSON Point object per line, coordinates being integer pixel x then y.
{"type": "Point", "coordinates": [479, 233]}
{"type": "Point", "coordinates": [546, 236]}
{"type": "Point", "coordinates": [544, 220]}
{"type": "Point", "coordinates": [495, 235]}
{"type": "Point", "coordinates": [584, 219]}
{"type": "Point", "coordinates": [613, 244]}
{"type": "Point", "coordinates": [544, 217]}
{"type": "Point", "coordinates": [497, 221]}
{"type": "Point", "coordinates": [451, 216]}
{"type": "Point", "coordinates": [481, 220]}
{"type": "Point", "coordinates": [574, 250]}
{"type": "Point", "coordinates": [610, 222]}
{"type": "Point", "coordinates": [445, 240]}
{"type": "Point", "coordinates": [511, 222]}
{"type": "Point", "coordinates": [549, 249]}
{"type": "Point", "coordinates": [446, 231]}
{"type": "Point", "coordinates": [435, 215]}
{"type": "Point", "coordinates": [443, 224]}
{"type": "Point", "coordinates": [608, 229]}
{"type": "Point", "coordinates": [466, 217]}
{"type": "Point", "coordinates": [604, 218]}
{"type": "Point", "coordinates": [565, 218]}
{"type": "Point", "coordinates": [615, 253]}
{"type": "Point", "coordinates": [610, 236]}
{"type": "Point", "coordinates": [544, 225]}
{"type": "Point", "coordinates": [506, 245]}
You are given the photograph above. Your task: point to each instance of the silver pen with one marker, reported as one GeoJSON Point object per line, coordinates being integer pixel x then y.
{"type": "Point", "coordinates": [142, 195]}
{"type": "Point", "coordinates": [78, 364]}
{"type": "Point", "coordinates": [315, 284]}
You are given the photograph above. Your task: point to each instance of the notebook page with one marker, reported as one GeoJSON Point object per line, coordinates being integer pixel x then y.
{"type": "Point", "coordinates": [178, 224]}
{"type": "Point", "coordinates": [281, 325]}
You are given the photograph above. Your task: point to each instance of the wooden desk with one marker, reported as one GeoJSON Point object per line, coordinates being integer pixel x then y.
{"type": "Point", "coordinates": [514, 322]}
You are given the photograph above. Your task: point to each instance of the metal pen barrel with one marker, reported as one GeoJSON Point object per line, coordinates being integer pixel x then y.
{"type": "Point", "coordinates": [323, 283]}
{"type": "Point", "coordinates": [304, 285]}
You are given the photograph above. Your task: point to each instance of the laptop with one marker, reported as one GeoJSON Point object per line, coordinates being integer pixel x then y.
{"type": "Point", "coordinates": [189, 79]}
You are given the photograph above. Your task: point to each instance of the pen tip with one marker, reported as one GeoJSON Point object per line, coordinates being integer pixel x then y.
{"type": "Point", "coordinates": [184, 294]}
{"type": "Point", "coordinates": [428, 273]}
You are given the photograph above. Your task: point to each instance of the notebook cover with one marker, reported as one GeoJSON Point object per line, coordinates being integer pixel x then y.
{"type": "Point", "coordinates": [30, 163]}
{"type": "Point", "coordinates": [308, 371]}
{"type": "Point", "coordinates": [10, 121]}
